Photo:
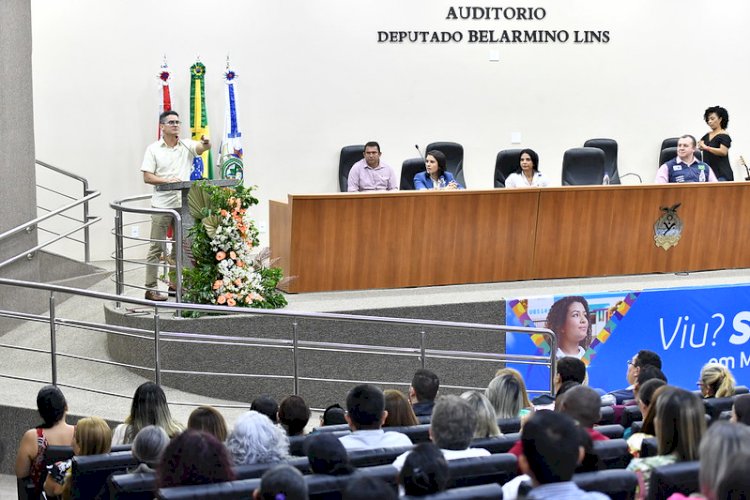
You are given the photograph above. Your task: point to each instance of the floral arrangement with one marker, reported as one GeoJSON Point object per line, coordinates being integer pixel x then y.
{"type": "Point", "coordinates": [223, 237]}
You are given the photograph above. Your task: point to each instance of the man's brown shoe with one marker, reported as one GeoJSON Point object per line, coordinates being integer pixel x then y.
{"type": "Point", "coordinates": [155, 296]}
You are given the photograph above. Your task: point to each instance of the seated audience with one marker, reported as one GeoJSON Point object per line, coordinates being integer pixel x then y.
{"type": "Point", "coordinates": [369, 488]}
{"type": "Point", "coordinates": [568, 368]}
{"type": "Point", "coordinates": [452, 430]}
{"type": "Point", "coordinates": [486, 418]}
{"type": "Point", "coordinates": [92, 436]}
{"type": "Point", "coordinates": [527, 174]}
{"type": "Point", "coordinates": [208, 419]}
{"type": "Point", "coordinates": [327, 455]}
{"type": "Point", "coordinates": [679, 423]}
{"type": "Point", "coordinates": [422, 392]}
{"type": "Point", "coordinates": [255, 440]}
{"type": "Point", "coordinates": [148, 447]}
{"type": "Point", "coordinates": [400, 412]}
{"type": "Point", "coordinates": [194, 457]}
{"type": "Point", "coordinates": [720, 447]}
{"type": "Point", "coordinates": [149, 407]}
{"type": "Point", "coordinates": [365, 415]}
{"type": "Point", "coordinates": [435, 176]}
{"type": "Point", "coordinates": [735, 485]}
{"type": "Point", "coordinates": [640, 359]}
{"type": "Point", "coordinates": [648, 372]}
{"type": "Point", "coordinates": [582, 404]}
{"type": "Point", "coordinates": [526, 406]}
{"type": "Point", "coordinates": [716, 381]}
{"type": "Point", "coordinates": [282, 482]}
{"type": "Point", "coordinates": [741, 409]}
{"type": "Point", "coordinates": [504, 392]}
{"type": "Point", "coordinates": [333, 415]}
{"type": "Point", "coordinates": [551, 451]}
{"type": "Point", "coordinates": [425, 471]}
{"type": "Point", "coordinates": [267, 406]}
{"type": "Point", "coordinates": [294, 415]}
{"type": "Point", "coordinates": [647, 395]}
{"type": "Point", "coordinates": [53, 431]}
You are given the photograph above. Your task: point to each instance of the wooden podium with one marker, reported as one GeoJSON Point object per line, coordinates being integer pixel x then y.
{"type": "Point", "coordinates": [357, 241]}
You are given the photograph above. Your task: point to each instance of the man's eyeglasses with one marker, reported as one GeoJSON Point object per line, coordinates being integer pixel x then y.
{"type": "Point", "coordinates": [172, 122]}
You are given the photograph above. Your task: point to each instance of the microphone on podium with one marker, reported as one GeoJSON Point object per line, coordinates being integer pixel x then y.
{"type": "Point", "coordinates": [418, 151]}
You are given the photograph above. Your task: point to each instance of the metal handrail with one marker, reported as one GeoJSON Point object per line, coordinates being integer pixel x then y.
{"type": "Point", "coordinates": [294, 344]}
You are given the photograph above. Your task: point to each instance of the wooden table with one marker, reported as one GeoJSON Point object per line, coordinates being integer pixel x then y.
{"type": "Point", "coordinates": [357, 241]}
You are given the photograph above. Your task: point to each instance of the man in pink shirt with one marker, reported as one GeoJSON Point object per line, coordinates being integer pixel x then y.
{"type": "Point", "coordinates": [371, 174]}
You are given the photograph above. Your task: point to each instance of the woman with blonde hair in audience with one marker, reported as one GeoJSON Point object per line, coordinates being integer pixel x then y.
{"type": "Point", "coordinates": [208, 419]}
{"type": "Point", "coordinates": [716, 381]}
{"type": "Point", "coordinates": [400, 412]}
{"type": "Point", "coordinates": [506, 396]}
{"type": "Point", "coordinates": [526, 404]}
{"type": "Point", "coordinates": [255, 440]}
{"type": "Point", "coordinates": [680, 424]}
{"type": "Point", "coordinates": [486, 417]}
{"type": "Point", "coordinates": [53, 431]}
{"type": "Point", "coordinates": [149, 407]}
{"type": "Point", "coordinates": [92, 436]}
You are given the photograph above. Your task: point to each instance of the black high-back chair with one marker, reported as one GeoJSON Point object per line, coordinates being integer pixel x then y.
{"type": "Point", "coordinates": [454, 154]}
{"type": "Point", "coordinates": [91, 472]}
{"type": "Point", "coordinates": [609, 146]}
{"type": "Point", "coordinates": [618, 484]}
{"type": "Point", "coordinates": [613, 453]}
{"type": "Point", "coordinates": [669, 142]}
{"type": "Point", "coordinates": [499, 468]}
{"type": "Point", "coordinates": [409, 169]}
{"type": "Point", "coordinates": [681, 477]}
{"type": "Point", "coordinates": [583, 166]}
{"type": "Point", "coordinates": [506, 162]}
{"type": "Point", "coordinates": [349, 156]}
{"type": "Point", "coordinates": [667, 154]}
{"type": "Point", "coordinates": [499, 444]}
{"type": "Point", "coordinates": [481, 492]}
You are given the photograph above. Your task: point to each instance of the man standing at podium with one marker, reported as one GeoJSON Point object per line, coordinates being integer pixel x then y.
{"type": "Point", "coordinates": [169, 159]}
{"type": "Point", "coordinates": [371, 174]}
{"type": "Point", "coordinates": [686, 167]}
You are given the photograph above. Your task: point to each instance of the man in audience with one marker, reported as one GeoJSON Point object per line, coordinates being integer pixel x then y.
{"type": "Point", "coordinates": [686, 167]}
{"type": "Point", "coordinates": [568, 369]}
{"type": "Point", "coordinates": [282, 481]}
{"type": "Point", "coordinates": [422, 393]}
{"type": "Point", "coordinates": [641, 359]}
{"type": "Point", "coordinates": [451, 429]}
{"type": "Point", "coordinates": [371, 174]}
{"type": "Point", "coordinates": [551, 452]}
{"type": "Point", "coordinates": [266, 405]}
{"type": "Point", "coordinates": [366, 413]}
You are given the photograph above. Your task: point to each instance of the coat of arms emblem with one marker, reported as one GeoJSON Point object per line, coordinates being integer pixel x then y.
{"type": "Point", "coordinates": [668, 228]}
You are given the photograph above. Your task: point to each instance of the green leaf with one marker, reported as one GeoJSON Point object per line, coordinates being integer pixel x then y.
{"type": "Point", "coordinates": [211, 223]}
{"type": "Point", "coordinates": [198, 199]}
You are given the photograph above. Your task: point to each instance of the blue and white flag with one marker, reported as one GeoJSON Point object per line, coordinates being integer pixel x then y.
{"type": "Point", "coordinates": [230, 153]}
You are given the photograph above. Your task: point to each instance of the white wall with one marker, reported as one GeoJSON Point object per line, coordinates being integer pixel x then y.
{"type": "Point", "coordinates": [312, 78]}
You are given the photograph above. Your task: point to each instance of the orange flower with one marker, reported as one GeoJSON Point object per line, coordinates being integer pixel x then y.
{"type": "Point", "coordinates": [223, 213]}
{"type": "Point", "coordinates": [232, 255]}
{"type": "Point", "coordinates": [221, 299]}
{"type": "Point", "coordinates": [231, 303]}
{"type": "Point", "coordinates": [248, 299]}
{"type": "Point", "coordinates": [220, 255]}
{"type": "Point", "coordinates": [238, 282]}
{"type": "Point", "coordinates": [239, 263]}
{"type": "Point", "coordinates": [218, 284]}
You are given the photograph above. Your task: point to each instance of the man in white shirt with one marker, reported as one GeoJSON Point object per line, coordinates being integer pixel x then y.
{"type": "Point", "coordinates": [167, 160]}
{"type": "Point", "coordinates": [452, 430]}
{"type": "Point", "coordinates": [366, 413]}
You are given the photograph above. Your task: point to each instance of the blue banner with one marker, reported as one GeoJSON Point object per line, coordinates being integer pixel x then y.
{"type": "Point", "coordinates": [687, 327]}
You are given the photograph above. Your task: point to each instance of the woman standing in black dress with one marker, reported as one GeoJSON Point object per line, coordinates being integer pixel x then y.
{"type": "Point", "coordinates": [715, 144]}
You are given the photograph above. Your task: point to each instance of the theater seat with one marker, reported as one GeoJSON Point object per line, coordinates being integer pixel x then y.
{"type": "Point", "coordinates": [509, 425]}
{"type": "Point", "coordinates": [454, 155]}
{"type": "Point", "coordinates": [321, 487]}
{"type": "Point", "coordinates": [252, 471]}
{"type": "Point", "coordinates": [331, 428]}
{"type": "Point", "coordinates": [609, 147]}
{"type": "Point", "coordinates": [583, 166]}
{"type": "Point", "coordinates": [217, 491]}
{"type": "Point", "coordinates": [613, 453]}
{"type": "Point", "coordinates": [417, 433]}
{"type": "Point", "coordinates": [481, 492]}
{"type": "Point", "coordinates": [349, 156]}
{"type": "Point", "coordinates": [612, 431]}
{"type": "Point", "coordinates": [138, 486]}
{"type": "Point", "coordinates": [499, 444]}
{"type": "Point", "coordinates": [675, 478]}
{"type": "Point", "coordinates": [409, 169]}
{"type": "Point", "coordinates": [649, 447]}
{"type": "Point", "coordinates": [424, 419]}
{"type": "Point", "coordinates": [376, 456]}
{"type": "Point", "coordinates": [618, 484]}
{"type": "Point", "coordinates": [607, 415]}
{"type": "Point", "coordinates": [629, 415]}
{"type": "Point", "coordinates": [741, 389]}
{"type": "Point", "coordinates": [499, 468]}
{"type": "Point", "coordinates": [91, 472]}
{"type": "Point", "coordinates": [714, 406]}
{"type": "Point", "coordinates": [725, 415]}
{"type": "Point", "coordinates": [506, 162]}
{"type": "Point", "coordinates": [297, 443]}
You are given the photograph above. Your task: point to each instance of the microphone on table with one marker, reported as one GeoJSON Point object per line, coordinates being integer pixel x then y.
{"type": "Point", "coordinates": [420, 152]}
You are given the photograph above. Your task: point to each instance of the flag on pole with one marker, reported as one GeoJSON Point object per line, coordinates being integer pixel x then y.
{"type": "Point", "coordinates": [199, 120]}
{"type": "Point", "coordinates": [165, 102]}
{"type": "Point", "coordinates": [230, 153]}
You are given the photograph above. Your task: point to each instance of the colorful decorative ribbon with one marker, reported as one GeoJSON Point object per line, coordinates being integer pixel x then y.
{"type": "Point", "coordinates": [199, 121]}
{"type": "Point", "coordinates": [230, 162]}
{"type": "Point", "coordinates": [165, 103]}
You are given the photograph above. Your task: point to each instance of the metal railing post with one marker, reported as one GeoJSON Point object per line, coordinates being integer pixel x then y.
{"type": "Point", "coordinates": [294, 355]}
{"type": "Point", "coordinates": [157, 354]}
{"type": "Point", "coordinates": [119, 255]}
{"type": "Point", "coordinates": [53, 337]}
{"type": "Point", "coordinates": [422, 356]}
{"type": "Point", "coordinates": [86, 233]}
{"type": "Point", "coordinates": [178, 236]}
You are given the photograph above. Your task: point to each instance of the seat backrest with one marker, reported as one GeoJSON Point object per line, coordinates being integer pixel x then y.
{"type": "Point", "coordinates": [714, 406]}
{"type": "Point", "coordinates": [348, 157]}
{"type": "Point", "coordinates": [409, 169]}
{"type": "Point", "coordinates": [376, 456]}
{"type": "Point", "coordinates": [480, 492]}
{"type": "Point", "coordinates": [57, 454]}
{"type": "Point", "coordinates": [669, 142]}
{"type": "Point", "coordinates": [417, 433]}
{"type": "Point", "coordinates": [506, 162]}
{"type": "Point", "coordinates": [297, 443]}
{"type": "Point", "coordinates": [629, 415]}
{"type": "Point", "coordinates": [667, 154]}
{"type": "Point", "coordinates": [583, 166]}
{"type": "Point", "coordinates": [612, 431]}
{"type": "Point", "coordinates": [609, 146]}
{"type": "Point", "coordinates": [649, 447]}
{"type": "Point", "coordinates": [454, 155]}
{"type": "Point", "coordinates": [91, 472]}
{"type": "Point", "coordinates": [681, 477]}
{"type": "Point", "coordinates": [251, 471]}
{"type": "Point", "coordinates": [216, 491]}
{"type": "Point", "coordinates": [606, 415]}
{"type": "Point", "coordinates": [613, 453]}
{"type": "Point", "coordinates": [509, 425]}
{"type": "Point", "coordinates": [498, 468]}
{"type": "Point", "coordinates": [618, 484]}
{"type": "Point", "coordinates": [425, 419]}
{"type": "Point", "coordinates": [741, 389]}
{"type": "Point", "coordinates": [138, 486]}
{"type": "Point", "coordinates": [121, 447]}
{"type": "Point", "coordinates": [331, 428]}
{"type": "Point", "coordinates": [322, 487]}
{"type": "Point", "coordinates": [499, 444]}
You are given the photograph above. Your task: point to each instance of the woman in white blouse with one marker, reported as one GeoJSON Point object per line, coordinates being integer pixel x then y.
{"type": "Point", "coordinates": [528, 174]}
